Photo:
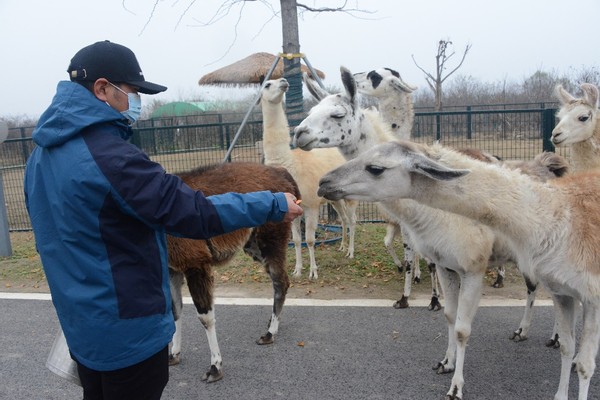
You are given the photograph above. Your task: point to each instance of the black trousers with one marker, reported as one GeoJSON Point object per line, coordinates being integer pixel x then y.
{"type": "Point", "coordinates": [143, 381]}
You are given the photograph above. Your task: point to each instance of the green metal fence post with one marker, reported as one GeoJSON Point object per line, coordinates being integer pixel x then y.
{"type": "Point", "coordinates": [5, 248]}
{"type": "Point", "coordinates": [469, 123]}
{"type": "Point", "coordinates": [548, 124]}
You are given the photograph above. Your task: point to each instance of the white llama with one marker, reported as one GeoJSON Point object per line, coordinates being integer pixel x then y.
{"type": "Point", "coordinates": [306, 168]}
{"type": "Point", "coordinates": [394, 97]}
{"type": "Point", "coordinates": [552, 228]}
{"type": "Point", "coordinates": [578, 127]}
{"type": "Point", "coordinates": [458, 245]}
{"type": "Point", "coordinates": [410, 265]}
{"type": "Point", "coordinates": [395, 105]}
{"type": "Point", "coordinates": [396, 108]}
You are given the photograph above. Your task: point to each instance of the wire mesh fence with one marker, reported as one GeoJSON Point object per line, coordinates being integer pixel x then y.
{"type": "Point", "coordinates": [184, 143]}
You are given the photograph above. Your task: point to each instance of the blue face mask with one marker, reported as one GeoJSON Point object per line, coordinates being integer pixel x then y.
{"type": "Point", "coordinates": [135, 105]}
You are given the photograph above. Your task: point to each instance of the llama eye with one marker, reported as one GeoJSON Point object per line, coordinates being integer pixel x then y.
{"type": "Point", "coordinates": [374, 170]}
{"type": "Point", "coordinates": [583, 118]}
{"type": "Point", "coordinates": [268, 85]}
{"type": "Point", "coordinates": [338, 115]}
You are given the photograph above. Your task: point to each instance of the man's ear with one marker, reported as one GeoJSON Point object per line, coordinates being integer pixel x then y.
{"type": "Point", "coordinates": [100, 89]}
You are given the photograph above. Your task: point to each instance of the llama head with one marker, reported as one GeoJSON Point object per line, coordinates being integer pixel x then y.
{"type": "Point", "coordinates": [379, 82]}
{"type": "Point", "coordinates": [273, 91]}
{"type": "Point", "coordinates": [577, 116]}
{"type": "Point", "coordinates": [385, 172]}
{"type": "Point", "coordinates": [334, 120]}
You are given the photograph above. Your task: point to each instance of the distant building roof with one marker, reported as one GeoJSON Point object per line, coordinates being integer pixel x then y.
{"type": "Point", "coordinates": [179, 108]}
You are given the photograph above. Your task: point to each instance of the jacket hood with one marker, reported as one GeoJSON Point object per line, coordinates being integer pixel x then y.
{"type": "Point", "coordinates": [73, 109]}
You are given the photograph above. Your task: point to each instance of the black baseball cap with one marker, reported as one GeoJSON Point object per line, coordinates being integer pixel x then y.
{"type": "Point", "coordinates": [111, 61]}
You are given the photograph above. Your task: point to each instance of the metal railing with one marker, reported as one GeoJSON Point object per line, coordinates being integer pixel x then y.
{"type": "Point", "coordinates": [181, 144]}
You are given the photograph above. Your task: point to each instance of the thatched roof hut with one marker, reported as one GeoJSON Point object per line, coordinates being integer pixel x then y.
{"type": "Point", "coordinates": [250, 70]}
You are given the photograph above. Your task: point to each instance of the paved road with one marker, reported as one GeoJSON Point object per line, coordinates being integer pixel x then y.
{"type": "Point", "coordinates": [321, 352]}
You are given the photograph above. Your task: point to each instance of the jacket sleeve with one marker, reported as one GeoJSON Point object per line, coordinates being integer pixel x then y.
{"type": "Point", "coordinates": [237, 210]}
{"type": "Point", "coordinates": [143, 189]}
{"type": "Point", "coordinates": [163, 200]}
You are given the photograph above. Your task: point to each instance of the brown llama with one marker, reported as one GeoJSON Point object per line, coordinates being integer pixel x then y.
{"type": "Point", "coordinates": [195, 259]}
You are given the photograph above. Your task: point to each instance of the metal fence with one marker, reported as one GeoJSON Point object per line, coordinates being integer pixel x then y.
{"type": "Point", "coordinates": [183, 143]}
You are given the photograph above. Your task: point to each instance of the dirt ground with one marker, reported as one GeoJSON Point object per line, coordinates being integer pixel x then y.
{"type": "Point", "coordinates": [337, 280]}
{"type": "Point", "coordinates": [303, 288]}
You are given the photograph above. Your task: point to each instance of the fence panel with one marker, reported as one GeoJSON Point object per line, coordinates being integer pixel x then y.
{"type": "Point", "coordinates": [184, 143]}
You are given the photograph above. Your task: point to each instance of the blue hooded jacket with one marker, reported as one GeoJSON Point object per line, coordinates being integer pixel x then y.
{"type": "Point", "coordinates": [100, 211]}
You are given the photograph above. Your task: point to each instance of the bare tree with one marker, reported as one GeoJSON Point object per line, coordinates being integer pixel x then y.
{"type": "Point", "coordinates": [289, 11]}
{"type": "Point", "coordinates": [436, 80]}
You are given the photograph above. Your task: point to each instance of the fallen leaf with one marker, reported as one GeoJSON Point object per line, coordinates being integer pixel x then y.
{"type": "Point", "coordinates": [301, 344]}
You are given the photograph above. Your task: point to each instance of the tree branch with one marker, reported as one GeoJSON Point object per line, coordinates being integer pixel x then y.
{"type": "Point", "coordinates": [467, 48]}
{"type": "Point", "coordinates": [427, 74]}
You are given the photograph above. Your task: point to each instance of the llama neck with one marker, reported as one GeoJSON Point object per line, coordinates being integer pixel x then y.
{"type": "Point", "coordinates": [276, 135]}
{"type": "Point", "coordinates": [397, 111]}
{"type": "Point", "coordinates": [586, 155]}
{"type": "Point", "coordinates": [506, 201]}
{"type": "Point", "coordinates": [370, 132]}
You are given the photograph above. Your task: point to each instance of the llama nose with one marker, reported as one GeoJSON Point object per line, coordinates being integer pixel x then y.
{"type": "Point", "coordinates": [555, 137]}
{"type": "Point", "coordinates": [297, 133]}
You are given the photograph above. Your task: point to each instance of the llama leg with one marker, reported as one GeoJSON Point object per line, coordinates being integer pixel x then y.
{"type": "Point", "coordinates": [200, 284]}
{"type": "Point", "coordinates": [351, 217]}
{"type": "Point", "coordinates": [450, 283]}
{"type": "Point", "coordinates": [564, 307]}
{"type": "Point", "coordinates": [297, 239]}
{"type": "Point", "coordinates": [347, 214]}
{"type": "Point", "coordinates": [408, 262]}
{"type": "Point", "coordinates": [585, 361]}
{"type": "Point", "coordinates": [175, 283]}
{"type": "Point", "coordinates": [391, 231]}
{"type": "Point", "coordinates": [521, 333]}
{"type": "Point", "coordinates": [416, 267]}
{"type": "Point", "coordinates": [471, 286]}
{"type": "Point", "coordinates": [499, 283]}
{"type": "Point", "coordinates": [554, 341]}
{"type": "Point", "coordinates": [435, 304]}
{"type": "Point", "coordinates": [341, 212]}
{"type": "Point", "coordinates": [311, 218]}
{"type": "Point", "coordinates": [276, 269]}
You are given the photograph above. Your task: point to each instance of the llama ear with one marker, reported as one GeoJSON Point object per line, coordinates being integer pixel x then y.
{"type": "Point", "coordinates": [403, 86]}
{"type": "Point", "coordinates": [441, 174]}
{"type": "Point", "coordinates": [434, 170]}
{"type": "Point", "coordinates": [313, 87]}
{"type": "Point", "coordinates": [349, 83]}
{"type": "Point", "coordinates": [590, 94]}
{"type": "Point", "coordinates": [563, 96]}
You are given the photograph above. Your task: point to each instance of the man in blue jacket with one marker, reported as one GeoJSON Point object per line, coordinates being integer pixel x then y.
{"type": "Point", "coordinates": [100, 211]}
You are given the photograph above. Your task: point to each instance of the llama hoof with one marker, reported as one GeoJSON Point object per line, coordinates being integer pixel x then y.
{"type": "Point", "coordinates": [518, 336]}
{"type": "Point", "coordinates": [213, 375]}
{"type": "Point", "coordinates": [402, 303]}
{"type": "Point", "coordinates": [442, 368]}
{"type": "Point", "coordinates": [453, 397]}
{"type": "Point", "coordinates": [417, 280]}
{"type": "Point", "coordinates": [498, 284]}
{"type": "Point", "coordinates": [400, 268]}
{"type": "Point", "coordinates": [174, 359]}
{"type": "Point", "coordinates": [267, 338]}
{"type": "Point", "coordinates": [553, 342]}
{"type": "Point", "coordinates": [434, 305]}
